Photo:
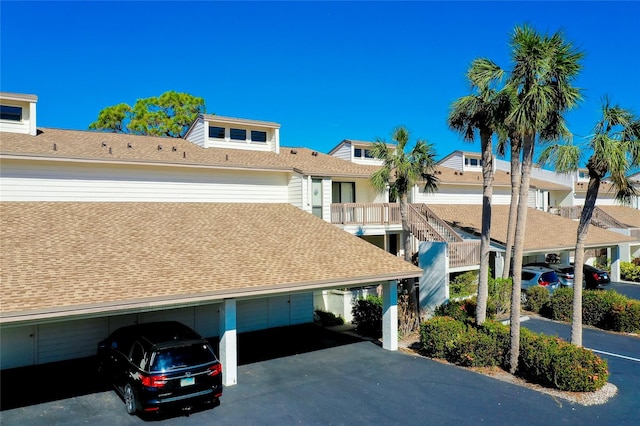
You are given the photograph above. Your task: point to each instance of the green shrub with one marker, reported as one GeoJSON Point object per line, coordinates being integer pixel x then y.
{"type": "Point", "coordinates": [367, 316]}
{"type": "Point", "coordinates": [549, 361]}
{"type": "Point", "coordinates": [500, 294]}
{"type": "Point", "coordinates": [561, 304]}
{"type": "Point", "coordinates": [328, 319]}
{"type": "Point", "coordinates": [553, 362]}
{"type": "Point", "coordinates": [439, 335]}
{"type": "Point", "coordinates": [464, 285]}
{"type": "Point", "coordinates": [607, 310]}
{"type": "Point", "coordinates": [626, 316]}
{"type": "Point", "coordinates": [630, 271]}
{"type": "Point", "coordinates": [537, 298]}
{"type": "Point", "coordinates": [461, 310]}
{"type": "Point", "coordinates": [595, 308]}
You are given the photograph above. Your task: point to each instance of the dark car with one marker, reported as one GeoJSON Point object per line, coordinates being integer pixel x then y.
{"type": "Point", "coordinates": [594, 277]}
{"type": "Point", "coordinates": [160, 365]}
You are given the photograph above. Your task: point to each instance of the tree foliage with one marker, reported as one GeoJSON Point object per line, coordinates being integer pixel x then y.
{"type": "Point", "coordinates": [169, 114]}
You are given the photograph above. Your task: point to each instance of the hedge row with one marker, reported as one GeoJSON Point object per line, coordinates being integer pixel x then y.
{"type": "Point", "coordinates": [545, 360]}
{"type": "Point", "coordinates": [630, 271]}
{"type": "Point", "coordinates": [607, 310]}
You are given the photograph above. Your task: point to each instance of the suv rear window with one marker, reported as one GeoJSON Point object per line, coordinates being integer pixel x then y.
{"type": "Point", "coordinates": [526, 276]}
{"type": "Point", "coordinates": [177, 357]}
{"type": "Point", "coordinates": [549, 277]}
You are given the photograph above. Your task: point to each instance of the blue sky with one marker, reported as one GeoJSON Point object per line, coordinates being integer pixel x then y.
{"type": "Point", "coordinates": [325, 71]}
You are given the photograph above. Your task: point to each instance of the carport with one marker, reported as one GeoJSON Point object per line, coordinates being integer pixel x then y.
{"type": "Point", "coordinates": [73, 272]}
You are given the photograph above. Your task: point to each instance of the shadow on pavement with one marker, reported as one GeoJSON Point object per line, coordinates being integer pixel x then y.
{"type": "Point", "coordinates": [25, 386]}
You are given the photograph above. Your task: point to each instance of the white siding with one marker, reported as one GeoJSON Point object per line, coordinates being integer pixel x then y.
{"type": "Point", "coordinates": [344, 152]}
{"type": "Point", "coordinates": [295, 190]}
{"type": "Point", "coordinates": [196, 135]}
{"type": "Point", "coordinates": [326, 199]}
{"type": "Point", "coordinates": [533, 197]}
{"type": "Point", "coordinates": [275, 311]}
{"type": "Point", "coordinates": [26, 125]}
{"type": "Point", "coordinates": [463, 195]}
{"type": "Point", "coordinates": [49, 181]}
{"type": "Point", "coordinates": [58, 341]}
{"type": "Point", "coordinates": [455, 162]}
{"type": "Point", "coordinates": [69, 339]}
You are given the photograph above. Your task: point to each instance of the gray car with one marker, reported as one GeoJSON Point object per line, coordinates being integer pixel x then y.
{"type": "Point", "coordinates": [538, 276]}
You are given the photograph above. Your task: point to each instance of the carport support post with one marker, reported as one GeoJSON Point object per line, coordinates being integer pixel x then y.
{"type": "Point", "coordinates": [619, 253]}
{"type": "Point", "coordinates": [390, 316]}
{"type": "Point", "coordinates": [228, 343]}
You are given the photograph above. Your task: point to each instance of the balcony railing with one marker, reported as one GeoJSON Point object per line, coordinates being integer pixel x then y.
{"type": "Point", "coordinates": [425, 225]}
{"type": "Point", "coordinates": [464, 253]}
{"type": "Point", "coordinates": [365, 214]}
{"type": "Point", "coordinates": [599, 218]}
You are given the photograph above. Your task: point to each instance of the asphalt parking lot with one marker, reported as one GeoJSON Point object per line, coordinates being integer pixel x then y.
{"type": "Point", "coordinates": [330, 378]}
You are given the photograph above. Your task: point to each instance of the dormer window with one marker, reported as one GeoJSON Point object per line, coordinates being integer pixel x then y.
{"type": "Point", "coordinates": [238, 134]}
{"type": "Point", "coordinates": [216, 132]}
{"type": "Point", "coordinates": [362, 153]}
{"type": "Point", "coordinates": [10, 113]}
{"type": "Point", "coordinates": [583, 175]}
{"type": "Point", "coordinates": [472, 162]}
{"type": "Point", "coordinates": [258, 136]}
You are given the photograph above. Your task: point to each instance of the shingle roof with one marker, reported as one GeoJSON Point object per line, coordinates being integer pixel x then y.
{"type": "Point", "coordinates": [627, 215]}
{"type": "Point", "coordinates": [71, 257]}
{"type": "Point", "coordinates": [544, 231]}
{"type": "Point", "coordinates": [112, 147]}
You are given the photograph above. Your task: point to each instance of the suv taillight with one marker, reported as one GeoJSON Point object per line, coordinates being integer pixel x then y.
{"type": "Point", "coordinates": [596, 276]}
{"type": "Point", "coordinates": [154, 381]}
{"type": "Point", "coordinates": [214, 370]}
{"type": "Point", "coordinates": [544, 283]}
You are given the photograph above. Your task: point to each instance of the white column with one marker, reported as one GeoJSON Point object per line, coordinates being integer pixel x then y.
{"type": "Point", "coordinates": [619, 253]}
{"type": "Point", "coordinates": [390, 316]}
{"type": "Point", "coordinates": [228, 343]}
{"type": "Point", "coordinates": [498, 265]}
{"type": "Point", "coordinates": [33, 130]}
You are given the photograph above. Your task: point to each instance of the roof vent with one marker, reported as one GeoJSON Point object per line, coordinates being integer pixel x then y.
{"type": "Point", "coordinates": [184, 154]}
{"type": "Point", "coordinates": [314, 153]}
{"type": "Point", "coordinates": [293, 151]}
{"type": "Point", "coordinates": [174, 149]}
{"type": "Point", "coordinates": [109, 150]}
{"type": "Point", "coordinates": [159, 147]}
{"type": "Point", "coordinates": [104, 144]}
{"type": "Point", "coordinates": [129, 145]}
{"type": "Point", "coordinates": [55, 147]}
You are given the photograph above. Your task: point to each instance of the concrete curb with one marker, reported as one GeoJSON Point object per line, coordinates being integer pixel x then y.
{"type": "Point", "coordinates": [522, 319]}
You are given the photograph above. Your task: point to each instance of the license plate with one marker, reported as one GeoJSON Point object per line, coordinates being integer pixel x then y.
{"type": "Point", "coordinates": [187, 381]}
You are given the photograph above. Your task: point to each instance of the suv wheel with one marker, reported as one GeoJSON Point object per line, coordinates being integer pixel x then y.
{"type": "Point", "coordinates": [523, 296]}
{"type": "Point", "coordinates": [129, 399]}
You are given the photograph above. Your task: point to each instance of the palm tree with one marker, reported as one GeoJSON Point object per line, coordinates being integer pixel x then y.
{"type": "Point", "coordinates": [543, 69]}
{"type": "Point", "coordinates": [615, 147]}
{"type": "Point", "coordinates": [399, 173]}
{"type": "Point", "coordinates": [482, 111]}
{"type": "Point", "coordinates": [515, 145]}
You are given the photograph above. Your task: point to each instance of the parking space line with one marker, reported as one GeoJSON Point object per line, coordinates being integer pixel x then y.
{"type": "Point", "coordinates": [614, 355]}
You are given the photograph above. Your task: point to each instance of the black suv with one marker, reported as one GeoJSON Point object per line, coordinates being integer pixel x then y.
{"type": "Point", "coordinates": [158, 365]}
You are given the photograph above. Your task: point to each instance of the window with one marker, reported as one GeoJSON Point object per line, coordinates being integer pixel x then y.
{"type": "Point", "coordinates": [357, 152]}
{"type": "Point", "coordinates": [343, 192]}
{"type": "Point", "coordinates": [258, 136]}
{"type": "Point", "coordinates": [473, 162]}
{"type": "Point", "coordinates": [582, 175]}
{"type": "Point", "coordinates": [11, 113]}
{"type": "Point", "coordinates": [238, 134]}
{"type": "Point", "coordinates": [367, 153]}
{"type": "Point", "coordinates": [216, 132]}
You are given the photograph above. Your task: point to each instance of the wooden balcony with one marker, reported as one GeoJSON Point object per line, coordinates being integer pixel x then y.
{"type": "Point", "coordinates": [428, 228]}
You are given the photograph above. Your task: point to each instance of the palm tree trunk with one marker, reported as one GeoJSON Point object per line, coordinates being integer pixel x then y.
{"type": "Point", "coordinates": [485, 236]}
{"type": "Point", "coordinates": [406, 229]}
{"type": "Point", "coordinates": [578, 261]}
{"type": "Point", "coordinates": [513, 207]}
{"type": "Point", "coordinates": [521, 224]}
